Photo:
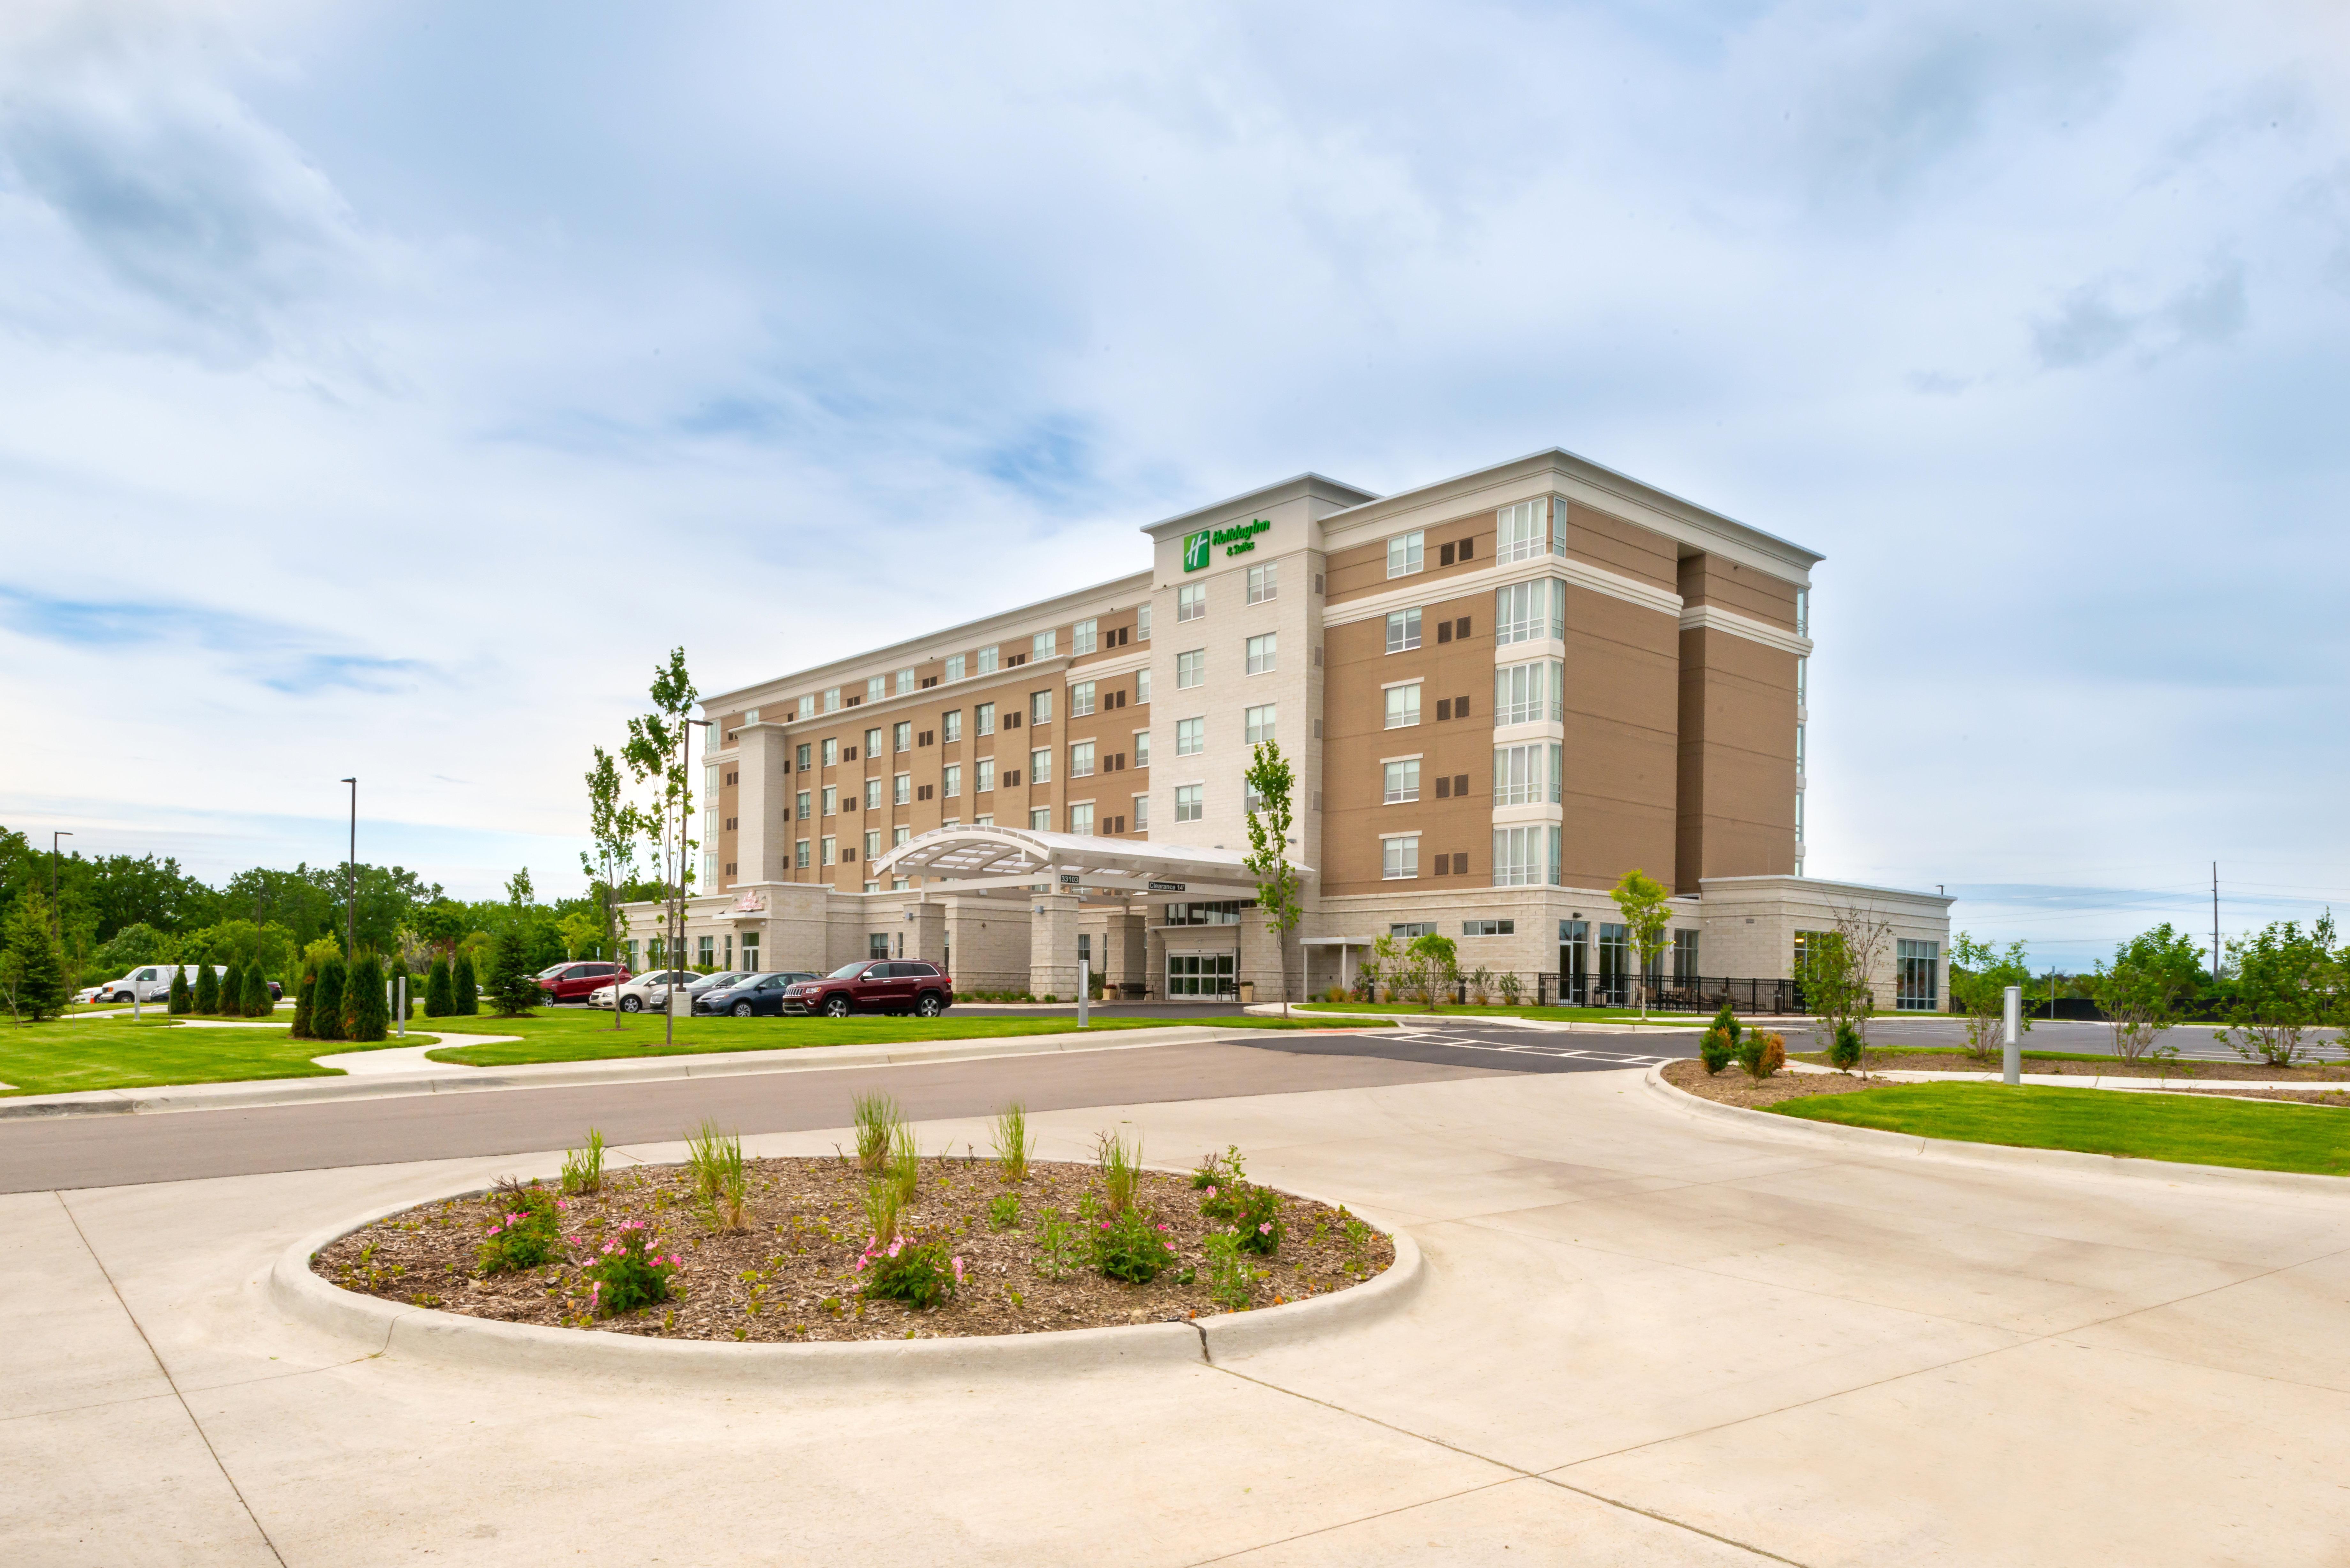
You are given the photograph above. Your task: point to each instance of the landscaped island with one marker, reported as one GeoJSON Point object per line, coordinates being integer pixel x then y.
{"type": "Point", "coordinates": [880, 1243]}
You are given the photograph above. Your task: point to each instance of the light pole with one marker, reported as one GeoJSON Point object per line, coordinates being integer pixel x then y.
{"type": "Point", "coordinates": [57, 910]}
{"type": "Point", "coordinates": [351, 882]}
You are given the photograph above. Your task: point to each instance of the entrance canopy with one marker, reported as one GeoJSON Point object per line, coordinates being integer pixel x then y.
{"type": "Point", "coordinates": [1018, 861]}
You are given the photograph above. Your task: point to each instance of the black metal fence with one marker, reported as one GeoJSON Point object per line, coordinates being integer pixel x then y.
{"type": "Point", "coordinates": [1698, 994]}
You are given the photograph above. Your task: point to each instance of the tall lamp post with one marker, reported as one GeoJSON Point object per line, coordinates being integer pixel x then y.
{"type": "Point", "coordinates": [57, 910]}
{"type": "Point", "coordinates": [351, 882]}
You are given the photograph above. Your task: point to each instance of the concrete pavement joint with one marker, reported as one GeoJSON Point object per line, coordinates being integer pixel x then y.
{"type": "Point", "coordinates": [185, 1409]}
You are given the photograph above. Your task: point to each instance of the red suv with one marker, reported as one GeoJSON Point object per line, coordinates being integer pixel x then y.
{"type": "Point", "coordinates": [573, 981]}
{"type": "Point", "coordinates": [873, 985]}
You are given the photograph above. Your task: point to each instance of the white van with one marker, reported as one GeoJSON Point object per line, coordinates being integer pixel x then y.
{"type": "Point", "coordinates": [149, 982]}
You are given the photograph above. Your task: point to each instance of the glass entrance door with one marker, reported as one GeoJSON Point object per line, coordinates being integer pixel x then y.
{"type": "Point", "coordinates": [1202, 974]}
{"type": "Point", "coordinates": [1573, 975]}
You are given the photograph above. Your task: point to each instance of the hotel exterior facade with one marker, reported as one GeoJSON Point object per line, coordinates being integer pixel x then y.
{"type": "Point", "coordinates": [1500, 693]}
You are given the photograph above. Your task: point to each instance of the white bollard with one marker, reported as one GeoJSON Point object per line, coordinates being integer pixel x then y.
{"type": "Point", "coordinates": [2011, 1062]}
{"type": "Point", "coordinates": [400, 986]}
{"type": "Point", "coordinates": [1084, 994]}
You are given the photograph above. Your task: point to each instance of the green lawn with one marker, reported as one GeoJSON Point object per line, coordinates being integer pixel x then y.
{"type": "Point", "coordinates": [1562, 1014]}
{"type": "Point", "coordinates": [586, 1036]}
{"type": "Point", "coordinates": [68, 1057]}
{"type": "Point", "coordinates": [2189, 1128]}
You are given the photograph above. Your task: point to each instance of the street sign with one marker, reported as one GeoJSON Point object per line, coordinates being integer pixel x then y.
{"type": "Point", "coordinates": [1167, 887]}
{"type": "Point", "coordinates": [1068, 881]}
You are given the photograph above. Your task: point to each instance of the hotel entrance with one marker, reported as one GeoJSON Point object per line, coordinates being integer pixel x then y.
{"type": "Point", "coordinates": [1202, 974]}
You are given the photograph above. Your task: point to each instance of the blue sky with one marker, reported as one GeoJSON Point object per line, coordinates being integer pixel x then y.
{"type": "Point", "coordinates": [384, 388]}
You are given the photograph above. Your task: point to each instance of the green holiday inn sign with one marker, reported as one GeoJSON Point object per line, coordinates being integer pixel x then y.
{"type": "Point", "coordinates": [1238, 539]}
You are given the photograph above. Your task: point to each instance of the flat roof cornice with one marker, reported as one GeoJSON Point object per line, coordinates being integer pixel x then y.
{"type": "Point", "coordinates": [1302, 486]}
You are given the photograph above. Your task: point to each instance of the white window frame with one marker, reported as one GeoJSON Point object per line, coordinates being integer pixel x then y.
{"type": "Point", "coordinates": [1195, 796]}
{"type": "Point", "coordinates": [901, 789]}
{"type": "Point", "coordinates": [985, 779]}
{"type": "Point", "coordinates": [828, 850]}
{"type": "Point", "coordinates": [1529, 692]}
{"type": "Point", "coordinates": [1407, 553]}
{"type": "Point", "coordinates": [805, 801]}
{"type": "Point", "coordinates": [1528, 775]}
{"type": "Point", "coordinates": [807, 707]}
{"type": "Point", "coordinates": [1142, 748]}
{"type": "Point", "coordinates": [983, 719]}
{"type": "Point", "coordinates": [1190, 601]}
{"type": "Point", "coordinates": [1264, 653]}
{"type": "Point", "coordinates": [1399, 856]}
{"type": "Point", "coordinates": [902, 735]}
{"type": "Point", "coordinates": [1257, 723]}
{"type": "Point", "coordinates": [872, 844]}
{"type": "Point", "coordinates": [873, 794]}
{"type": "Point", "coordinates": [1194, 663]}
{"type": "Point", "coordinates": [956, 664]}
{"type": "Point", "coordinates": [1081, 699]}
{"type": "Point", "coordinates": [1085, 636]}
{"type": "Point", "coordinates": [1081, 760]}
{"type": "Point", "coordinates": [1531, 611]}
{"type": "Point", "coordinates": [1400, 781]}
{"type": "Point", "coordinates": [1040, 766]}
{"type": "Point", "coordinates": [1042, 645]}
{"type": "Point", "coordinates": [1040, 819]}
{"type": "Point", "coordinates": [951, 781]}
{"type": "Point", "coordinates": [1400, 702]}
{"type": "Point", "coordinates": [950, 726]}
{"type": "Point", "coordinates": [1403, 629]}
{"type": "Point", "coordinates": [832, 800]}
{"type": "Point", "coordinates": [1142, 686]}
{"type": "Point", "coordinates": [1142, 624]}
{"type": "Point", "coordinates": [905, 682]}
{"type": "Point", "coordinates": [1040, 707]}
{"type": "Point", "coordinates": [800, 855]}
{"type": "Point", "coordinates": [1190, 736]}
{"type": "Point", "coordinates": [1141, 815]}
{"type": "Point", "coordinates": [1081, 818]}
{"type": "Point", "coordinates": [831, 758]}
{"type": "Point", "coordinates": [876, 687]}
{"type": "Point", "coordinates": [832, 699]}
{"type": "Point", "coordinates": [1264, 582]}
{"type": "Point", "coordinates": [987, 657]}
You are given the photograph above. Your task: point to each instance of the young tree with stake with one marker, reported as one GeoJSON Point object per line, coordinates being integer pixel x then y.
{"type": "Point", "coordinates": [1273, 780]}
{"type": "Point", "coordinates": [1642, 900]}
{"type": "Point", "coordinates": [656, 754]}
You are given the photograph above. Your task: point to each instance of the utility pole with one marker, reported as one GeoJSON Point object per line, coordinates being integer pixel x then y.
{"type": "Point", "coordinates": [351, 882]}
{"type": "Point", "coordinates": [57, 910]}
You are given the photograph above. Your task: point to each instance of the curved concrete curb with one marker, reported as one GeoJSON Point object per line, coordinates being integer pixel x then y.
{"type": "Point", "coordinates": [1875, 1140]}
{"type": "Point", "coordinates": [428, 1334]}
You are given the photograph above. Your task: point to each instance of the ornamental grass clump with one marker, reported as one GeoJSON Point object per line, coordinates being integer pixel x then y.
{"type": "Point", "coordinates": [905, 1168]}
{"type": "Point", "coordinates": [526, 1233]}
{"type": "Point", "coordinates": [583, 1168]}
{"type": "Point", "coordinates": [877, 1116]}
{"type": "Point", "coordinates": [715, 1161]}
{"type": "Point", "coordinates": [1121, 1169]}
{"type": "Point", "coordinates": [880, 1211]}
{"type": "Point", "coordinates": [920, 1273]}
{"type": "Point", "coordinates": [627, 1275]}
{"type": "Point", "coordinates": [1014, 1144]}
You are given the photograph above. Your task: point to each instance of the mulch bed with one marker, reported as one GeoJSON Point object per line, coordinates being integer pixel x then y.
{"type": "Point", "coordinates": [2110, 1067]}
{"type": "Point", "coordinates": [1732, 1086]}
{"type": "Point", "coordinates": [789, 1273]}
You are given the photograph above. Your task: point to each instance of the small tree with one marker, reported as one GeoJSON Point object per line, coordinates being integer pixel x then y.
{"type": "Point", "coordinates": [327, 1001]}
{"type": "Point", "coordinates": [2140, 993]}
{"type": "Point", "coordinates": [1838, 980]}
{"type": "Point", "coordinates": [403, 988]}
{"type": "Point", "coordinates": [33, 962]}
{"type": "Point", "coordinates": [1272, 779]}
{"type": "Point", "coordinates": [305, 991]}
{"type": "Point", "coordinates": [183, 996]}
{"type": "Point", "coordinates": [1979, 976]}
{"type": "Point", "coordinates": [468, 990]}
{"type": "Point", "coordinates": [440, 995]}
{"type": "Point", "coordinates": [208, 990]}
{"type": "Point", "coordinates": [1436, 966]}
{"type": "Point", "coordinates": [231, 1001]}
{"type": "Point", "coordinates": [257, 1000]}
{"type": "Point", "coordinates": [2287, 982]}
{"type": "Point", "coordinates": [1386, 960]}
{"type": "Point", "coordinates": [513, 989]}
{"type": "Point", "coordinates": [365, 1017]}
{"type": "Point", "coordinates": [1642, 899]}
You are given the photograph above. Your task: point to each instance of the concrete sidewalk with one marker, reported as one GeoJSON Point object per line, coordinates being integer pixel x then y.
{"type": "Point", "coordinates": [1643, 1339]}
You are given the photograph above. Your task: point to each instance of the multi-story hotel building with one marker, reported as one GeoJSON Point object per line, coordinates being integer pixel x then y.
{"type": "Point", "coordinates": [1500, 693]}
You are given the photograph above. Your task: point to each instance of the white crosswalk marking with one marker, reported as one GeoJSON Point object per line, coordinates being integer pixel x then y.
{"type": "Point", "coordinates": [1527, 1048]}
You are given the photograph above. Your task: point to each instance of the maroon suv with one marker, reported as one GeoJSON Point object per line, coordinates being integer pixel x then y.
{"type": "Point", "coordinates": [573, 981]}
{"type": "Point", "coordinates": [873, 985]}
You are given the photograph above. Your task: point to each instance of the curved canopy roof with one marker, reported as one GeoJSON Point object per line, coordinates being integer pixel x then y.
{"type": "Point", "coordinates": [978, 859]}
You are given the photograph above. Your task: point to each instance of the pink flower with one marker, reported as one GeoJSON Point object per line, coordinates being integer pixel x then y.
{"type": "Point", "coordinates": [957, 1268]}
{"type": "Point", "coordinates": [1212, 1192]}
{"type": "Point", "coordinates": [1265, 1229]}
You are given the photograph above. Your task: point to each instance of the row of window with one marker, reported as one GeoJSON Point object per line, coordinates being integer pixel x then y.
{"type": "Point", "coordinates": [1263, 585]}
{"type": "Point", "coordinates": [1404, 930]}
{"type": "Point", "coordinates": [1084, 637]}
{"type": "Point", "coordinates": [1531, 775]}
{"type": "Point", "coordinates": [1523, 856]}
{"type": "Point", "coordinates": [1522, 612]}
{"type": "Point", "coordinates": [1521, 531]}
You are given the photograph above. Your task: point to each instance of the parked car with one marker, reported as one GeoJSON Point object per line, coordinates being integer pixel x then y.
{"type": "Point", "coordinates": [573, 982]}
{"type": "Point", "coordinates": [643, 991]}
{"type": "Point", "coordinates": [752, 994]}
{"type": "Point", "coordinates": [89, 994]}
{"type": "Point", "coordinates": [152, 982]}
{"type": "Point", "coordinates": [873, 985]}
{"type": "Point", "coordinates": [703, 985]}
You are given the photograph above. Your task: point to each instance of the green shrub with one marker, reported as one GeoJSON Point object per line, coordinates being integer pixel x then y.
{"type": "Point", "coordinates": [257, 1000]}
{"type": "Point", "coordinates": [303, 992]}
{"type": "Point", "coordinates": [327, 1001]}
{"type": "Point", "coordinates": [1727, 1022]}
{"type": "Point", "coordinates": [33, 964]}
{"type": "Point", "coordinates": [1844, 1051]}
{"type": "Point", "coordinates": [1217, 1173]}
{"type": "Point", "coordinates": [1762, 1054]}
{"type": "Point", "coordinates": [1130, 1246]}
{"type": "Point", "coordinates": [182, 996]}
{"type": "Point", "coordinates": [228, 1000]}
{"type": "Point", "coordinates": [1057, 1244]}
{"type": "Point", "coordinates": [1002, 1211]}
{"type": "Point", "coordinates": [918, 1273]}
{"type": "Point", "coordinates": [1715, 1049]}
{"type": "Point", "coordinates": [1232, 1282]}
{"type": "Point", "coordinates": [1257, 1222]}
{"type": "Point", "coordinates": [440, 996]}
{"type": "Point", "coordinates": [627, 1273]}
{"type": "Point", "coordinates": [468, 990]}
{"type": "Point", "coordinates": [207, 1002]}
{"type": "Point", "coordinates": [512, 990]}
{"type": "Point", "coordinates": [365, 1015]}
{"type": "Point", "coordinates": [526, 1233]}
{"type": "Point", "coordinates": [403, 986]}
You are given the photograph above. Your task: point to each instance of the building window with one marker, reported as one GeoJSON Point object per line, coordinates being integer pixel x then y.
{"type": "Point", "coordinates": [832, 699]}
{"type": "Point", "coordinates": [987, 660]}
{"type": "Point", "coordinates": [902, 735]}
{"type": "Point", "coordinates": [1262, 651]}
{"type": "Point", "coordinates": [983, 719]}
{"type": "Point", "coordinates": [1403, 705]}
{"type": "Point", "coordinates": [1081, 699]}
{"type": "Point", "coordinates": [1799, 756]}
{"type": "Point", "coordinates": [1264, 582]}
{"type": "Point", "coordinates": [1142, 686]}
{"type": "Point", "coordinates": [1081, 818]}
{"type": "Point", "coordinates": [1142, 623]}
{"type": "Point", "coordinates": [832, 750]}
{"type": "Point", "coordinates": [872, 844]}
{"type": "Point", "coordinates": [876, 687]}
{"type": "Point", "coordinates": [1043, 643]}
{"type": "Point", "coordinates": [901, 789]}
{"type": "Point", "coordinates": [873, 794]}
{"type": "Point", "coordinates": [1250, 802]}
{"type": "Point", "coordinates": [873, 742]}
{"type": "Point", "coordinates": [1083, 636]}
{"type": "Point", "coordinates": [1527, 612]}
{"type": "Point", "coordinates": [1403, 630]}
{"type": "Point", "coordinates": [986, 780]}
{"type": "Point", "coordinates": [800, 855]}
{"type": "Point", "coordinates": [1615, 963]}
{"type": "Point", "coordinates": [1040, 766]}
{"type": "Point", "coordinates": [1040, 707]}
{"type": "Point", "coordinates": [1528, 693]}
{"type": "Point", "coordinates": [1489, 927]}
{"type": "Point", "coordinates": [1081, 761]}
{"type": "Point", "coordinates": [801, 757]}
{"type": "Point", "coordinates": [1257, 723]}
{"type": "Point", "coordinates": [1189, 806]}
{"type": "Point", "coordinates": [1404, 930]}
{"type": "Point", "coordinates": [805, 803]}
{"type": "Point", "coordinates": [899, 835]}
{"type": "Point", "coordinates": [955, 663]}
{"type": "Point", "coordinates": [1402, 781]}
{"type": "Point", "coordinates": [1684, 958]}
{"type": "Point", "coordinates": [1191, 737]}
{"type": "Point", "coordinates": [1803, 612]}
{"type": "Point", "coordinates": [825, 847]}
{"type": "Point", "coordinates": [1191, 668]}
{"type": "Point", "coordinates": [1404, 552]}
{"type": "Point", "coordinates": [1526, 856]}
{"type": "Point", "coordinates": [1399, 852]}
{"type": "Point", "coordinates": [1802, 682]}
{"type": "Point", "coordinates": [831, 799]}
{"type": "Point", "coordinates": [1527, 530]}
{"type": "Point", "coordinates": [1527, 775]}
{"type": "Point", "coordinates": [950, 726]}
{"type": "Point", "coordinates": [1190, 601]}
{"type": "Point", "coordinates": [951, 785]}
{"type": "Point", "coordinates": [1142, 748]}
{"type": "Point", "coordinates": [1040, 818]}
{"type": "Point", "coordinates": [807, 707]}
{"type": "Point", "coordinates": [1143, 814]}
{"type": "Point", "coordinates": [905, 682]}
{"type": "Point", "coordinates": [1919, 976]}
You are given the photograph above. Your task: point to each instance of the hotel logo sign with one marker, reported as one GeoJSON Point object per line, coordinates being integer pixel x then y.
{"type": "Point", "coordinates": [1236, 540]}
